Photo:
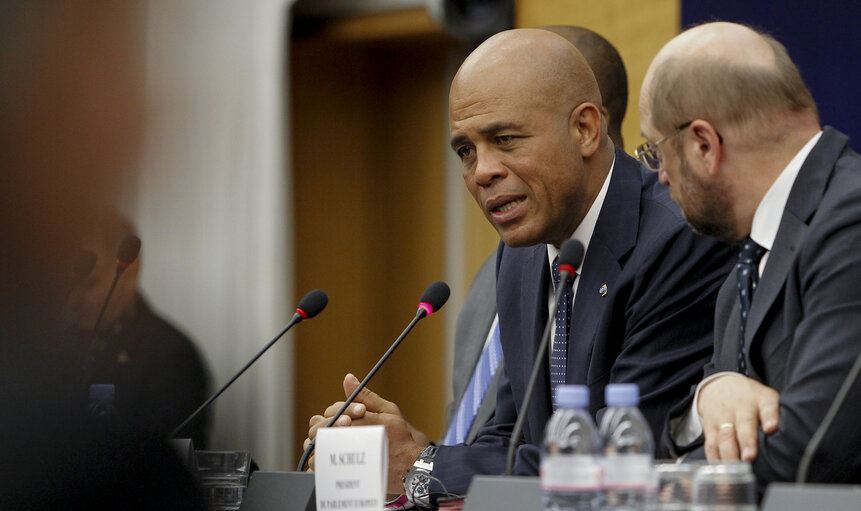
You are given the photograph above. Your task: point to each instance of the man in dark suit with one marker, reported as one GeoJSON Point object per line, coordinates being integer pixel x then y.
{"type": "Point", "coordinates": [525, 117]}
{"type": "Point", "coordinates": [735, 133]}
{"type": "Point", "coordinates": [478, 314]}
{"type": "Point", "coordinates": [479, 308]}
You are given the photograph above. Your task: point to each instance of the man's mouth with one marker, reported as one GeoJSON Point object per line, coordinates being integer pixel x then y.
{"type": "Point", "coordinates": [507, 206]}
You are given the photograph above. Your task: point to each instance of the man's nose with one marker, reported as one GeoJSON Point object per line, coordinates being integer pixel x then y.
{"type": "Point", "coordinates": [489, 167]}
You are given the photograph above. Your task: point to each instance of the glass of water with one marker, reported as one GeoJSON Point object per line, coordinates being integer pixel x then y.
{"type": "Point", "coordinates": [728, 486]}
{"type": "Point", "coordinates": [222, 477]}
{"type": "Point", "coordinates": [672, 484]}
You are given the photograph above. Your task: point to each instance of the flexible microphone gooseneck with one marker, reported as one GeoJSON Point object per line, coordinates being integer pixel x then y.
{"type": "Point", "coordinates": [311, 305]}
{"type": "Point", "coordinates": [570, 257]}
{"type": "Point", "coordinates": [431, 301]}
{"type": "Point", "coordinates": [127, 253]}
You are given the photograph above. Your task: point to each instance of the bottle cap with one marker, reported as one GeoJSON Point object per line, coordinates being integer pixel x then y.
{"type": "Point", "coordinates": [572, 396]}
{"type": "Point", "coordinates": [622, 394]}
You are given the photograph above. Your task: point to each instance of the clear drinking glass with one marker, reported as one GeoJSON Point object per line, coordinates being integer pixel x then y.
{"type": "Point", "coordinates": [222, 477]}
{"type": "Point", "coordinates": [673, 486]}
{"type": "Point", "coordinates": [725, 487]}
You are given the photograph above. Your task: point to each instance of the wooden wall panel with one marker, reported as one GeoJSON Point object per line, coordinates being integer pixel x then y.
{"type": "Point", "coordinates": [637, 29]}
{"type": "Point", "coordinates": [369, 195]}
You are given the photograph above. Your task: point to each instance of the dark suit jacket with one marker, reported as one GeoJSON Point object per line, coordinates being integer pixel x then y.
{"type": "Point", "coordinates": [804, 326]}
{"type": "Point", "coordinates": [653, 327]}
{"type": "Point", "coordinates": [473, 325]}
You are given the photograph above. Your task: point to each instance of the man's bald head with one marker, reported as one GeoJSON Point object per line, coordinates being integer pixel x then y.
{"type": "Point", "coordinates": [609, 71]}
{"type": "Point", "coordinates": [525, 119]}
{"type": "Point", "coordinates": [727, 73]}
{"type": "Point", "coordinates": [527, 63]}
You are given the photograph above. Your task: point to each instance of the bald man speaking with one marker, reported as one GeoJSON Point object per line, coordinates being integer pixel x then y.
{"type": "Point", "coordinates": [526, 123]}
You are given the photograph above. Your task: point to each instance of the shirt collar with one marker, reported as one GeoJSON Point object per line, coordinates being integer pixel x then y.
{"type": "Point", "coordinates": [583, 232]}
{"type": "Point", "coordinates": [766, 219]}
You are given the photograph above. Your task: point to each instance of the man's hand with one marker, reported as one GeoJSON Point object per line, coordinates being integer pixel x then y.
{"type": "Point", "coordinates": [405, 442]}
{"type": "Point", "coordinates": [732, 408]}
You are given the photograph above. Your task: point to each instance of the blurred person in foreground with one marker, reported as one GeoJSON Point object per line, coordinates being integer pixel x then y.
{"type": "Point", "coordinates": [526, 122]}
{"type": "Point", "coordinates": [734, 132]}
{"type": "Point", "coordinates": [71, 109]}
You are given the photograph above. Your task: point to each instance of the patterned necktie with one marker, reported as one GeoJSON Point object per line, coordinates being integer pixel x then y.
{"type": "Point", "coordinates": [747, 272]}
{"type": "Point", "coordinates": [559, 355]}
{"type": "Point", "coordinates": [486, 367]}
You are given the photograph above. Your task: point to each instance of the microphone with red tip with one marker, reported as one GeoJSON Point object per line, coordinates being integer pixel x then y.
{"type": "Point", "coordinates": [127, 253]}
{"type": "Point", "coordinates": [311, 305]}
{"type": "Point", "coordinates": [431, 301]}
{"type": "Point", "coordinates": [570, 256]}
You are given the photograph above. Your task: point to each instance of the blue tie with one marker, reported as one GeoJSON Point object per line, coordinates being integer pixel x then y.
{"type": "Point", "coordinates": [474, 393]}
{"type": "Point", "coordinates": [747, 272]}
{"type": "Point", "coordinates": [559, 355]}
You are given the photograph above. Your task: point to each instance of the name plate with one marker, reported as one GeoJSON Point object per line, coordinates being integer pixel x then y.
{"type": "Point", "coordinates": [351, 467]}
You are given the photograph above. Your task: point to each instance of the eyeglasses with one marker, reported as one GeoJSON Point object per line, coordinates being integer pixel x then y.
{"type": "Point", "coordinates": [647, 152]}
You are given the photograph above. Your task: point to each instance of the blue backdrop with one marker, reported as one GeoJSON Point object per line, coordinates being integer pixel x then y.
{"type": "Point", "coordinates": [823, 39]}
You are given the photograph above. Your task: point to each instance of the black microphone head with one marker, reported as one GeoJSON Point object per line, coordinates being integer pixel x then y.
{"type": "Point", "coordinates": [312, 304]}
{"type": "Point", "coordinates": [128, 250]}
{"type": "Point", "coordinates": [434, 297]}
{"type": "Point", "coordinates": [571, 254]}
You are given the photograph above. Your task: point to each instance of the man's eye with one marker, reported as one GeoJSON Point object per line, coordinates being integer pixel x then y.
{"type": "Point", "coordinates": [464, 152]}
{"type": "Point", "coordinates": [504, 139]}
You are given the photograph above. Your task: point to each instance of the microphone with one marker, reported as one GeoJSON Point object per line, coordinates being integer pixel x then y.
{"type": "Point", "coordinates": [431, 301]}
{"type": "Point", "coordinates": [309, 306]}
{"type": "Point", "coordinates": [570, 257]}
{"type": "Point", "coordinates": [127, 253]}
{"type": "Point", "coordinates": [813, 445]}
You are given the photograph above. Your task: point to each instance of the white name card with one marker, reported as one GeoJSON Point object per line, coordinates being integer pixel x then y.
{"type": "Point", "coordinates": [351, 468]}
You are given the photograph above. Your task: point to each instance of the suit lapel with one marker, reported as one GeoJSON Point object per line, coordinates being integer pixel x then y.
{"type": "Point", "coordinates": [804, 198]}
{"type": "Point", "coordinates": [534, 285]}
{"type": "Point", "coordinates": [614, 236]}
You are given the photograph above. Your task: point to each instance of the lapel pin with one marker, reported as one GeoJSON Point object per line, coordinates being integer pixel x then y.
{"type": "Point", "coordinates": [603, 290]}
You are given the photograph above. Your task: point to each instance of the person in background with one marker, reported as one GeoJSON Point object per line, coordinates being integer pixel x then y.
{"type": "Point", "coordinates": [158, 374]}
{"type": "Point", "coordinates": [735, 134]}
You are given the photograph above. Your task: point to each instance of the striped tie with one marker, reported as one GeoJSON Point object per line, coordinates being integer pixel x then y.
{"type": "Point", "coordinates": [474, 394]}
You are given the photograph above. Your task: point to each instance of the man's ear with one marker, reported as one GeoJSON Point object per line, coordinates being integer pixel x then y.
{"type": "Point", "coordinates": [585, 127]}
{"type": "Point", "coordinates": [705, 145]}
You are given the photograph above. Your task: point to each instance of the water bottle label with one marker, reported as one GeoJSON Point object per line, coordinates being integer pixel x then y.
{"type": "Point", "coordinates": [627, 471]}
{"type": "Point", "coordinates": [570, 472]}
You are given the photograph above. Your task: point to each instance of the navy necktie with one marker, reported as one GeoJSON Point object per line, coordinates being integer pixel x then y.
{"type": "Point", "coordinates": [747, 272]}
{"type": "Point", "coordinates": [559, 355]}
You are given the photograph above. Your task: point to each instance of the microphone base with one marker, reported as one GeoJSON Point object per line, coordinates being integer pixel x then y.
{"type": "Point", "coordinates": [492, 493]}
{"type": "Point", "coordinates": [280, 491]}
{"type": "Point", "coordinates": [804, 497]}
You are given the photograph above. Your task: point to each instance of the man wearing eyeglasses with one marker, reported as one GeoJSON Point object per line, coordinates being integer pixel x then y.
{"type": "Point", "coordinates": [736, 136]}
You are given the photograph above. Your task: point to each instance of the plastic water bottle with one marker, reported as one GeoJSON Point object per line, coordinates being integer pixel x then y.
{"type": "Point", "coordinates": [570, 463]}
{"type": "Point", "coordinates": [628, 449]}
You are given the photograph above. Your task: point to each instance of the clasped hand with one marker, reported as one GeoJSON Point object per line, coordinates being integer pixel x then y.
{"type": "Point", "coordinates": [369, 409]}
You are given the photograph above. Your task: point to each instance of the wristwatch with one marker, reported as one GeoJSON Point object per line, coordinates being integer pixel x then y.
{"type": "Point", "coordinates": [417, 480]}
